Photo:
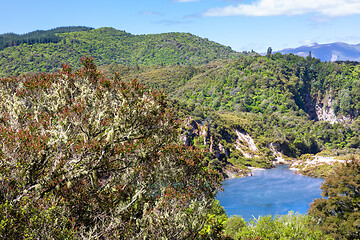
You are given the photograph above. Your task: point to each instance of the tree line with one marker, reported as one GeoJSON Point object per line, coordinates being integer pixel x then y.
{"type": "Point", "coordinates": [39, 36]}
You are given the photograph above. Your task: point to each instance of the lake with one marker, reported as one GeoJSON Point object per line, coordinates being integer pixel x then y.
{"type": "Point", "coordinates": [269, 192]}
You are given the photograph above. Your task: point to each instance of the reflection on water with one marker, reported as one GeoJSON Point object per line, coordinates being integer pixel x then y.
{"type": "Point", "coordinates": [269, 192]}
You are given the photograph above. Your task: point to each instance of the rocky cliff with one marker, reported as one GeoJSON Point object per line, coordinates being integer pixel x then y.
{"type": "Point", "coordinates": [230, 150]}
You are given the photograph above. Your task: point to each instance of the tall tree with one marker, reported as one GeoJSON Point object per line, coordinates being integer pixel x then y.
{"type": "Point", "coordinates": [269, 52]}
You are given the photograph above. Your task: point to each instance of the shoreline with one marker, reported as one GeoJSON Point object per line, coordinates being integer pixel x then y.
{"type": "Point", "coordinates": [315, 166]}
{"type": "Point", "coordinates": [312, 166]}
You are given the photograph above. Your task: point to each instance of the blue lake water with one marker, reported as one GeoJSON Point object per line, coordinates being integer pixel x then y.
{"type": "Point", "coordinates": [269, 192]}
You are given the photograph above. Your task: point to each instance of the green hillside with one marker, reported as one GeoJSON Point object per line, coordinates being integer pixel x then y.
{"type": "Point", "coordinates": [257, 84]}
{"type": "Point", "coordinates": [39, 36]}
{"type": "Point", "coordinates": [285, 103]}
{"type": "Point", "coordinates": [300, 105]}
{"type": "Point", "coordinates": [109, 158]}
{"type": "Point", "coordinates": [108, 45]}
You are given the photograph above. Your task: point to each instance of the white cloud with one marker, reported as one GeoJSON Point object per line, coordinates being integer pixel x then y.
{"type": "Point", "coordinates": [329, 8]}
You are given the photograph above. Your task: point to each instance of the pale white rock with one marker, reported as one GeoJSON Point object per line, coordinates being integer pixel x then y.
{"type": "Point", "coordinates": [278, 155]}
{"type": "Point", "coordinates": [325, 112]}
{"type": "Point", "coordinates": [245, 141]}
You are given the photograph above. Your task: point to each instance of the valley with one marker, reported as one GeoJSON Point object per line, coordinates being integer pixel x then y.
{"type": "Point", "coordinates": [111, 127]}
{"type": "Point", "coordinates": [285, 105]}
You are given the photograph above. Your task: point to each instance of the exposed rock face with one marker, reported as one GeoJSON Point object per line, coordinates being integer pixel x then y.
{"type": "Point", "coordinates": [245, 144]}
{"type": "Point", "coordinates": [193, 129]}
{"type": "Point", "coordinates": [204, 133]}
{"type": "Point", "coordinates": [222, 149]}
{"type": "Point", "coordinates": [325, 111]}
{"type": "Point", "coordinates": [278, 155]}
{"type": "Point", "coordinates": [226, 144]}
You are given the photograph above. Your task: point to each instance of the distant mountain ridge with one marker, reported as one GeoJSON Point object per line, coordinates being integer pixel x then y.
{"type": "Point", "coordinates": [331, 52]}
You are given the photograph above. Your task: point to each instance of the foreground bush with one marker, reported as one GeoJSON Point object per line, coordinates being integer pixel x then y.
{"type": "Point", "coordinates": [291, 226]}
{"type": "Point", "coordinates": [83, 156]}
{"type": "Point", "coordinates": [338, 213]}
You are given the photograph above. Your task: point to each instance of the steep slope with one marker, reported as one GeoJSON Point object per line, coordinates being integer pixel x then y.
{"type": "Point", "coordinates": [245, 109]}
{"type": "Point", "coordinates": [108, 45]}
{"type": "Point", "coordinates": [284, 83]}
{"type": "Point", "coordinates": [331, 52]}
{"type": "Point", "coordinates": [229, 148]}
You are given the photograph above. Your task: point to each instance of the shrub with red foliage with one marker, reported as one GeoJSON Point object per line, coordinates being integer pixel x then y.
{"type": "Point", "coordinates": [85, 156]}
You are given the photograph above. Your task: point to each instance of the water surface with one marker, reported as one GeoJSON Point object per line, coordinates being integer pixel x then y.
{"type": "Point", "coordinates": [269, 192]}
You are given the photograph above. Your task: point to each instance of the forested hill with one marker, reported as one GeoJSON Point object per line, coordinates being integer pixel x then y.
{"type": "Point", "coordinates": [106, 45]}
{"type": "Point", "coordinates": [39, 36]}
{"type": "Point", "coordinates": [260, 84]}
{"type": "Point", "coordinates": [277, 103]}
{"type": "Point", "coordinates": [287, 103]}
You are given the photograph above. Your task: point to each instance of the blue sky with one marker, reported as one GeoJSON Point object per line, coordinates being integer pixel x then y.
{"type": "Point", "coordinates": [243, 25]}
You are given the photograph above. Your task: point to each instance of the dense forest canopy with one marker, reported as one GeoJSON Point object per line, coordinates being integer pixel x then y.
{"type": "Point", "coordinates": [108, 45]}
{"type": "Point", "coordinates": [299, 105]}
{"type": "Point", "coordinates": [108, 157]}
{"type": "Point", "coordinates": [39, 36]}
{"type": "Point", "coordinates": [283, 99]}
